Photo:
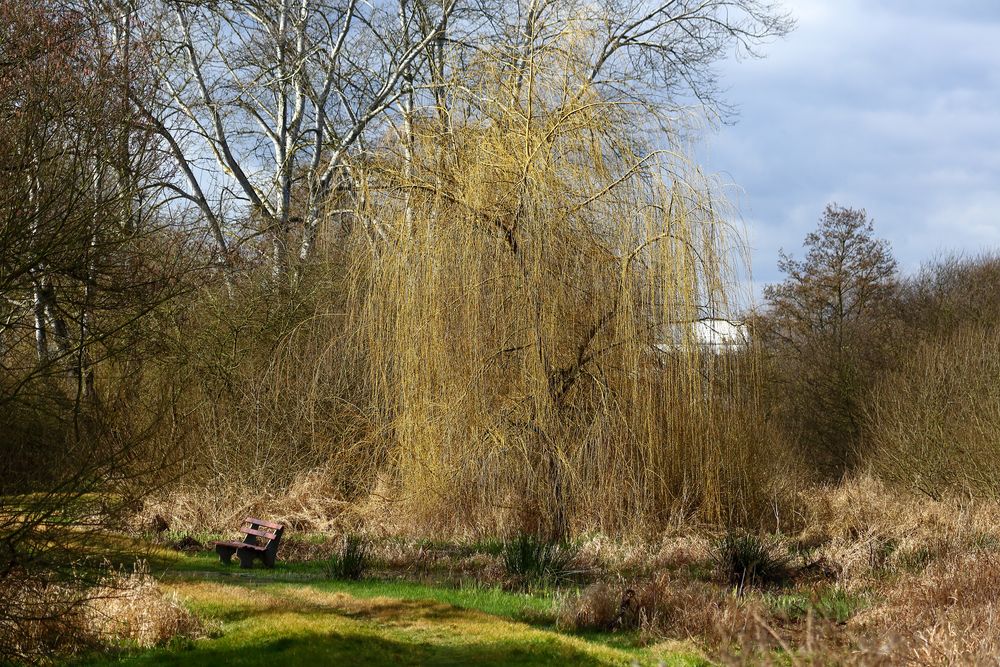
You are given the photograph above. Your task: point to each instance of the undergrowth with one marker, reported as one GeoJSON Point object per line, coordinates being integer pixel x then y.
{"type": "Point", "coordinates": [540, 562]}
{"type": "Point", "coordinates": [352, 561]}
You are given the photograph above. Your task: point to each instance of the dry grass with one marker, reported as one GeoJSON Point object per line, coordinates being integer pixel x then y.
{"type": "Point", "coordinates": [670, 608]}
{"type": "Point", "coordinates": [596, 607]}
{"type": "Point", "coordinates": [632, 556]}
{"type": "Point", "coordinates": [946, 615]}
{"type": "Point", "coordinates": [130, 607]}
{"type": "Point", "coordinates": [309, 503]}
{"type": "Point", "coordinates": [884, 577]}
{"type": "Point", "coordinates": [43, 620]}
{"type": "Point", "coordinates": [673, 608]}
{"type": "Point", "coordinates": [863, 528]}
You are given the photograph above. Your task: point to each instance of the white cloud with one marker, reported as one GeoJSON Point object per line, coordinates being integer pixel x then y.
{"type": "Point", "coordinates": [892, 106]}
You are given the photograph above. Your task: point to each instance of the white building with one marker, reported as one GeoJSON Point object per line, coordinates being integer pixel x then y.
{"type": "Point", "coordinates": [714, 334]}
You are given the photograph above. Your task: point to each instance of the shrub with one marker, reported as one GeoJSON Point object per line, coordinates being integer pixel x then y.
{"type": "Point", "coordinates": [596, 607]}
{"type": "Point", "coordinates": [745, 559]}
{"type": "Point", "coordinates": [934, 421]}
{"type": "Point", "coordinates": [352, 561]}
{"type": "Point", "coordinates": [535, 560]}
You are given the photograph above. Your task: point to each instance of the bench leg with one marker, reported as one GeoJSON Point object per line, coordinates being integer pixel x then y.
{"type": "Point", "coordinates": [246, 557]}
{"type": "Point", "coordinates": [225, 554]}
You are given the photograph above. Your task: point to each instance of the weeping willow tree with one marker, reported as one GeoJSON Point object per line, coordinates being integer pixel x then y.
{"type": "Point", "coordinates": [526, 287]}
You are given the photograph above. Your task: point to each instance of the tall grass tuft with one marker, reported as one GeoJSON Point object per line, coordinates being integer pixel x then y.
{"type": "Point", "coordinates": [748, 560]}
{"type": "Point", "coordinates": [534, 560]}
{"type": "Point", "coordinates": [352, 561]}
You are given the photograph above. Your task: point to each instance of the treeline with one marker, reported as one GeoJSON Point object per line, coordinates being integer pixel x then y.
{"type": "Point", "coordinates": [440, 260]}
{"type": "Point", "coordinates": [868, 370]}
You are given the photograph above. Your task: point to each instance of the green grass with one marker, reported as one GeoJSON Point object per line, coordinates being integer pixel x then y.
{"type": "Point", "coordinates": [514, 606]}
{"type": "Point", "coordinates": [297, 614]}
{"type": "Point", "coordinates": [379, 623]}
{"type": "Point", "coordinates": [831, 604]}
{"type": "Point", "coordinates": [164, 561]}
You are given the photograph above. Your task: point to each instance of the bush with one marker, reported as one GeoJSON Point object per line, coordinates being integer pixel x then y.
{"type": "Point", "coordinates": [46, 619]}
{"type": "Point", "coordinates": [597, 607]}
{"type": "Point", "coordinates": [933, 423]}
{"type": "Point", "coordinates": [352, 561]}
{"type": "Point", "coordinates": [535, 560]}
{"type": "Point", "coordinates": [745, 559]}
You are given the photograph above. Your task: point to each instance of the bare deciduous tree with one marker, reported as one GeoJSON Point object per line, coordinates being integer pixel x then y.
{"type": "Point", "coordinates": [265, 104]}
{"type": "Point", "coordinates": [828, 324]}
{"type": "Point", "coordinates": [262, 100]}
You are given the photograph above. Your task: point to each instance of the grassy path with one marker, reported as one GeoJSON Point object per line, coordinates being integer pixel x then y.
{"type": "Point", "coordinates": [383, 623]}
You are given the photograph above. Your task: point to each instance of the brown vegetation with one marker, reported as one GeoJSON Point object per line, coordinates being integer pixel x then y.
{"type": "Point", "coordinates": [491, 331]}
{"type": "Point", "coordinates": [122, 608]}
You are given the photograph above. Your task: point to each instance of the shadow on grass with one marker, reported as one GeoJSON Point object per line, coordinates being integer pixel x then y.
{"type": "Point", "coordinates": [290, 629]}
{"type": "Point", "coordinates": [307, 625]}
{"type": "Point", "coordinates": [378, 610]}
{"type": "Point", "coordinates": [350, 648]}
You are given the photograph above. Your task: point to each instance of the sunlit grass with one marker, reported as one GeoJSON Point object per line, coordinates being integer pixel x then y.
{"type": "Point", "coordinates": [378, 623]}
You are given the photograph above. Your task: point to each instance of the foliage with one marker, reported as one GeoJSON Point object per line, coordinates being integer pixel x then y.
{"type": "Point", "coordinates": [352, 561]}
{"type": "Point", "coordinates": [748, 560]}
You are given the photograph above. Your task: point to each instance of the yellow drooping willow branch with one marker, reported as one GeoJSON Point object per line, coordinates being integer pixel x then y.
{"type": "Point", "coordinates": [528, 325]}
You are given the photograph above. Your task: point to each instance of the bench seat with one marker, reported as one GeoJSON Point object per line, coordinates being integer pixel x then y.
{"type": "Point", "coordinates": [242, 545]}
{"type": "Point", "coordinates": [261, 539]}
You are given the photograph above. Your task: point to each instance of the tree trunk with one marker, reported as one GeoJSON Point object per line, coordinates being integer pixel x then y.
{"type": "Point", "coordinates": [41, 332]}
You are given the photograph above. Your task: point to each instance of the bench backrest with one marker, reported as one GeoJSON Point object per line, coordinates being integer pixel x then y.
{"type": "Point", "coordinates": [262, 533]}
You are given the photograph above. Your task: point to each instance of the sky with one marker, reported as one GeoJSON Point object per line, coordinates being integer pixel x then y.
{"type": "Point", "coordinates": [888, 105]}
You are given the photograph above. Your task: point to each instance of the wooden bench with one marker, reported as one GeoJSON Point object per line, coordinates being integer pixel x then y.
{"type": "Point", "coordinates": [261, 539]}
